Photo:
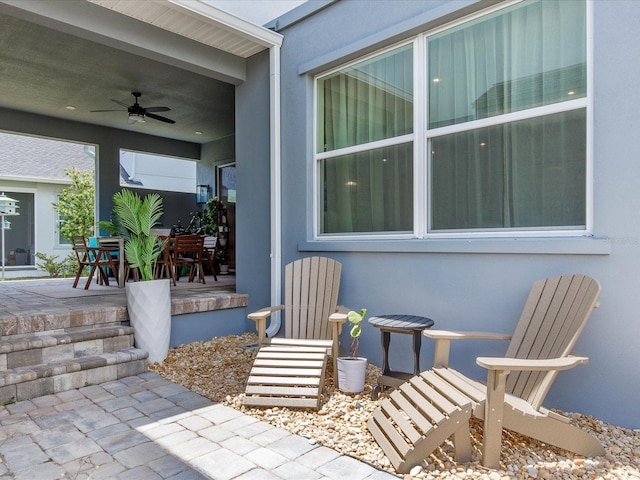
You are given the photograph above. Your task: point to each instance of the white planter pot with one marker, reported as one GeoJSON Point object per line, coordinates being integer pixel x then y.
{"type": "Point", "coordinates": [351, 373]}
{"type": "Point", "coordinates": [224, 269]}
{"type": "Point", "coordinates": [149, 305]}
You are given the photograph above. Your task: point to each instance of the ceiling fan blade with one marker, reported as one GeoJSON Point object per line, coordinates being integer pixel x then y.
{"type": "Point", "coordinates": [107, 110]}
{"type": "Point", "coordinates": [157, 109]}
{"type": "Point", "coordinates": [158, 117]}
{"type": "Point", "coordinates": [120, 103]}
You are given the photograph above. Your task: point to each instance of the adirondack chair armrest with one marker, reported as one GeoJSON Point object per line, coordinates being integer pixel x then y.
{"type": "Point", "coordinates": [443, 342]}
{"type": "Point", "coordinates": [460, 335]}
{"type": "Point", "coordinates": [338, 317]}
{"type": "Point", "coordinates": [522, 364]}
{"type": "Point", "coordinates": [337, 320]}
{"type": "Point", "coordinates": [260, 317]}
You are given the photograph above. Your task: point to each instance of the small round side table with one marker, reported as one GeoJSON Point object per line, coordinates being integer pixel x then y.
{"type": "Point", "coordinates": [405, 324]}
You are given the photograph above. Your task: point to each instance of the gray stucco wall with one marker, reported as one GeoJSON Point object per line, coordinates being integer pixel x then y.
{"type": "Point", "coordinates": [215, 153]}
{"type": "Point", "coordinates": [252, 181]}
{"type": "Point", "coordinates": [482, 285]}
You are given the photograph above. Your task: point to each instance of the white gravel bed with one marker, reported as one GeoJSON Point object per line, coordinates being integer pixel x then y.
{"type": "Point", "coordinates": [218, 369]}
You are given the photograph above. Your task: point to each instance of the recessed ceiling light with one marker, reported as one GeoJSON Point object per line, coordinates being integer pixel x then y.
{"type": "Point", "coordinates": [198, 132]}
{"type": "Point", "coordinates": [436, 80]}
{"type": "Point", "coordinates": [70, 107]}
{"type": "Point", "coordinates": [571, 92]}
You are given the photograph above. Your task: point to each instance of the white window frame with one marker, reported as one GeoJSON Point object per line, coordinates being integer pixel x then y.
{"type": "Point", "coordinates": [422, 136]}
{"type": "Point", "coordinates": [387, 142]}
{"type": "Point", "coordinates": [58, 222]}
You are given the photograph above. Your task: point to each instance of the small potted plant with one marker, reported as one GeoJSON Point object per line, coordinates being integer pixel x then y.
{"type": "Point", "coordinates": [352, 369]}
{"type": "Point", "coordinates": [223, 260]}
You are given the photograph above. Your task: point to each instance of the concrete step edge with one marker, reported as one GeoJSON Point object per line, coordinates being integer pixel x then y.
{"type": "Point", "coordinates": [26, 374]}
{"type": "Point", "coordinates": [10, 345]}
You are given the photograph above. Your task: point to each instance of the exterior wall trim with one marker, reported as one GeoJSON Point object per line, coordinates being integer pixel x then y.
{"type": "Point", "coordinates": [449, 11]}
{"type": "Point", "coordinates": [541, 246]}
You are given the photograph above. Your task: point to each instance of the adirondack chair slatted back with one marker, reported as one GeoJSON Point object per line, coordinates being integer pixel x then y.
{"type": "Point", "coordinates": [554, 315]}
{"type": "Point", "coordinates": [311, 296]}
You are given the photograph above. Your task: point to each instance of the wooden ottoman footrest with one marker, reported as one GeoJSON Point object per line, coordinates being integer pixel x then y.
{"type": "Point", "coordinates": [287, 376]}
{"type": "Point", "coordinates": [417, 418]}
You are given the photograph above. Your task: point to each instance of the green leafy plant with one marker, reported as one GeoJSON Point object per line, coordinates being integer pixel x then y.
{"type": "Point", "coordinates": [137, 217]}
{"type": "Point", "coordinates": [355, 319]}
{"type": "Point", "coordinates": [56, 269]}
{"type": "Point", "coordinates": [206, 221]}
{"type": "Point", "coordinates": [75, 204]}
{"type": "Point", "coordinates": [112, 227]}
{"type": "Point", "coordinates": [212, 220]}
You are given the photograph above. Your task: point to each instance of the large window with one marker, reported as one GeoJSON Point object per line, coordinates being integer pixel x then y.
{"type": "Point", "coordinates": [365, 146]}
{"type": "Point", "coordinates": [60, 220]}
{"type": "Point", "coordinates": [157, 172]}
{"type": "Point", "coordinates": [504, 144]}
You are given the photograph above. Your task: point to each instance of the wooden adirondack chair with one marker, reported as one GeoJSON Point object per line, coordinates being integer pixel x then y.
{"type": "Point", "coordinates": [290, 371]}
{"type": "Point", "coordinates": [553, 317]}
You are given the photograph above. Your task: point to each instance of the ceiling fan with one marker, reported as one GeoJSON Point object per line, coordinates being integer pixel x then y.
{"type": "Point", "coordinates": [137, 113]}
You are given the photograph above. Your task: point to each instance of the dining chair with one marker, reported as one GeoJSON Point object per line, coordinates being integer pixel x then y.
{"type": "Point", "coordinates": [94, 258]}
{"type": "Point", "coordinates": [209, 254]}
{"type": "Point", "coordinates": [163, 266]}
{"type": "Point", "coordinates": [187, 252]}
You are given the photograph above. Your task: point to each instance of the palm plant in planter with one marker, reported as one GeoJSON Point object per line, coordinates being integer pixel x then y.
{"type": "Point", "coordinates": [148, 301]}
{"type": "Point", "coordinates": [138, 216]}
{"type": "Point", "coordinates": [352, 369]}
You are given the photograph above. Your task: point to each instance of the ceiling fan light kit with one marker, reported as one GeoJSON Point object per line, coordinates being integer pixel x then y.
{"type": "Point", "coordinates": [135, 118]}
{"type": "Point", "coordinates": [138, 113]}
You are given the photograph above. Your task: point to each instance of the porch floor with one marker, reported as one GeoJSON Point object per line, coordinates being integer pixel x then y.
{"type": "Point", "coordinates": [44, 305]}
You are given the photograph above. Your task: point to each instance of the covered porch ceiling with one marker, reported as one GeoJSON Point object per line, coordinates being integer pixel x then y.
{"type": "Point", "coordinates": [183, 54]}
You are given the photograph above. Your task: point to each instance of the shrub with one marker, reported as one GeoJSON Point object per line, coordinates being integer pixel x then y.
{"type": "Point", "coordinates": [56, 269]}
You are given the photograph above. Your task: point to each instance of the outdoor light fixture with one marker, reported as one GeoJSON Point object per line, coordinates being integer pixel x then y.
{"type": "Point", "coordinates": [202, 194]}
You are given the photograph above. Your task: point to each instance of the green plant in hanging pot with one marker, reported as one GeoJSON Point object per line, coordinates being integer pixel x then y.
{"type": "Point", "coordinates": [352, 369]}
{"type": "Point", "coordinates": [148, 301]}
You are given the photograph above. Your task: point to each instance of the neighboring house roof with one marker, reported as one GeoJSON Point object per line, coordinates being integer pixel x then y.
{"type": "Point", "coordinates": [38, 158]}
{"type": "Point", "coordinates": [124, 176]}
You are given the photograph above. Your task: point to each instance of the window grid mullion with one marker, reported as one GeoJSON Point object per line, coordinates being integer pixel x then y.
{"type": "Point", "coordinates": [509, 117]}
{"type": "Point", "coordinates": [420, 186]}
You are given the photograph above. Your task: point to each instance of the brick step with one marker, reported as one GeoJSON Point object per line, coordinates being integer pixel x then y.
{"type": "Point", "coordinates": [25, 383]}
{"type": "Point", "coordinates": [59, 346]}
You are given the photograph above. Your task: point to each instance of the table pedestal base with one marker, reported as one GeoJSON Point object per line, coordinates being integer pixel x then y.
{"type": "Point", "coordinates": [405, 324]}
